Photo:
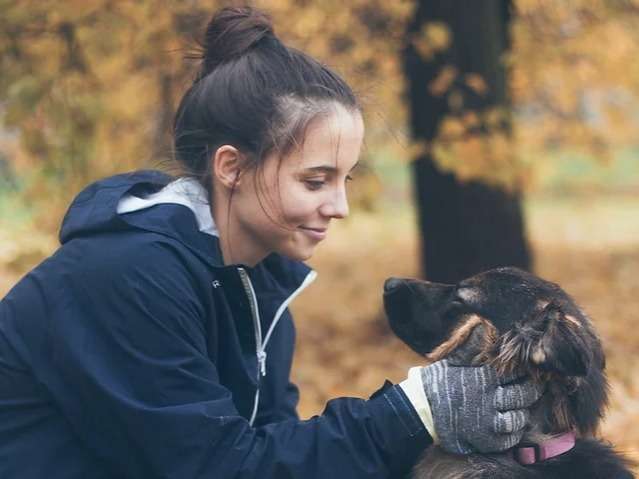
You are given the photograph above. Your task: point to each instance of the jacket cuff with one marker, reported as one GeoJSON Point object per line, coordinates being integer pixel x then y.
{"type": "Point", "coordinates": [398, 425]}
{"type": "Point", "coordinates": [414, 389]}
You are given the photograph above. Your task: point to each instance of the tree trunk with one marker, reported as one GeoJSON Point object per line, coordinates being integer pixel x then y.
{"type": "Point", "coordinates": [162, 141]}
{"type": "Point", "coordinates": [466, 227]}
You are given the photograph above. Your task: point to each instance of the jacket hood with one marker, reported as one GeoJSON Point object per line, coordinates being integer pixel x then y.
{"type": "Point", "coordinates": [94, 209]}
{"type": "Point", "coordinates": [153, 201]}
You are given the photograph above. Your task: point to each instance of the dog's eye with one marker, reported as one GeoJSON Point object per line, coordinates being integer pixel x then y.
{"type": "Point", "coordinates": [455, 307]}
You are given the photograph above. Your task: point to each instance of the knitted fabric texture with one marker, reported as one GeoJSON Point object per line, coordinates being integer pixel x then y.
{"type": "Point", "coordinates": [475, 410]}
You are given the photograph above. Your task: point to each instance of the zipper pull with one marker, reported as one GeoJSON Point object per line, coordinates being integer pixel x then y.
{"type": "Point", "coordinates": [261, 361]}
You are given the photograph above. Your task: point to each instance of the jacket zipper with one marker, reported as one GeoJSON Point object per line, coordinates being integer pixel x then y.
{"type": "Point", "coordinates": [257, 328]}
{"type": "Point", "coordinates": [260, 345]}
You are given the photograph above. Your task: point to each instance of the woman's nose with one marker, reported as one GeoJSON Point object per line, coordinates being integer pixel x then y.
{"type": "Point", "coordinates": [337, 206]}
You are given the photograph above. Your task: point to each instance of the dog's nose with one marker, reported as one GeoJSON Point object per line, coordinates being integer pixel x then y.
{"type": "Point", "coordinates": [391, 283]}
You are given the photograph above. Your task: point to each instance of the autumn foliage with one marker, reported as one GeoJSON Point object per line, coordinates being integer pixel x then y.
{"type": "Point", "coordinates": [88, 88]}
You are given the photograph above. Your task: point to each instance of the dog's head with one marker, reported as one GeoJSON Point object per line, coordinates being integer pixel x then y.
{"type": "Point", "coordinates": [517, 322]}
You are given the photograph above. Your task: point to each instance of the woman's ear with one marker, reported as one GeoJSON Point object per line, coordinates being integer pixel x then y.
{"type": "Point", "coordinates": [227, 162]}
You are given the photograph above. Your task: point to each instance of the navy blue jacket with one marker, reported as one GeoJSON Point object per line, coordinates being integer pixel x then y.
{"type": "Point", "coordinates": [134, 352]}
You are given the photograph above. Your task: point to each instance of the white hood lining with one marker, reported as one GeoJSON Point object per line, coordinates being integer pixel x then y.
{"type": "Point", "coordinates": [183, 191]}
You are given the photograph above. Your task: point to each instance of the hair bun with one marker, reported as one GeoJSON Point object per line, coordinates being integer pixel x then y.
{"type": "Point", "coordinates": [231, 32]}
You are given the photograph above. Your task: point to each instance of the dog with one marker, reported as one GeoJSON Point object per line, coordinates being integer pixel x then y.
{"type": "Point", "coordinates": [522, 325]}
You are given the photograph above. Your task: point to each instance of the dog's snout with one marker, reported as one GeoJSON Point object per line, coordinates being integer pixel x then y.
{"type": "Point", "coordinates": [391, 283]}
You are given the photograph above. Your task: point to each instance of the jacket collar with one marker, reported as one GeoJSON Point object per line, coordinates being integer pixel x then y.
{"type": "Point", "coordinates": [177, 208]}
{"type": "Point", "coordinates": [183, 191]}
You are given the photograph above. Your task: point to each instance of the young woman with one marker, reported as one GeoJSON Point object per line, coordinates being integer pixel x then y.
{"type": "Point", "coordinates": [156, 342]}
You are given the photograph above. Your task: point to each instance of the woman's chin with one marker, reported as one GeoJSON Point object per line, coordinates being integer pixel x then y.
{"type": "Point", "coordinates": [298, 247]}
{"type": "Point", "coordinates": [299, 253]}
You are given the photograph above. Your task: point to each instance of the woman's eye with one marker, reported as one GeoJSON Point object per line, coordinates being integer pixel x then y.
{"type": "Point", "coordinates": [314, 184]}
{"type": "Point", "coordinates": [319, 183]}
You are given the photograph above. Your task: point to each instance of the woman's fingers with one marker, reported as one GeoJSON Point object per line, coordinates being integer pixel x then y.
{"type": "Point", "coordinates": [517, 396]}
{"type": "Point", "coordinates": [511, 421]}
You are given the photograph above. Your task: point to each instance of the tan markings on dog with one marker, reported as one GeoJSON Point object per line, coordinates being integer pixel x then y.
{"type": "Point", "coordinates": [515, 354]}
{"type": "Point", "coordinates": [511, 352]}
{"type": "Point", "coordinates": [489, 342]}
{"type": "Point", "coordinates": [562, 419]}
{"type": "Point", "coordinates": [572, 320]}
{"type": "Point", "coordinates": [542, 303]}
{"type": "Point", "coordinates": [538, 355]}
{"type": "Point", "coordinates": [459, 336]}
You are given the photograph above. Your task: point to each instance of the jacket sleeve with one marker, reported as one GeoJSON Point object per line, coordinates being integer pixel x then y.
{"type": "Point", "coordinates": [129, 370]}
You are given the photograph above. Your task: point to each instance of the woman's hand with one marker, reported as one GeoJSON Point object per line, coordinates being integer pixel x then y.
{"type": "Point", "coordinates": [472, 408]}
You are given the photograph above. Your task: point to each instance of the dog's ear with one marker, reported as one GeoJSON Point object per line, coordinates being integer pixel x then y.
{"type": "Point", "coordinates": [550, 341]}
{"type": "Point", "coordinates": [560, 344]}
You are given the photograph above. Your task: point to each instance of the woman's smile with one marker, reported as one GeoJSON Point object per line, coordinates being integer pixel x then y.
{"type": "Point", "coordinates": [317, 234]}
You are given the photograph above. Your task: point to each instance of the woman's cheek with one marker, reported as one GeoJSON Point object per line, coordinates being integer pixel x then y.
{"type": "Point", "coordinates": [301, 205]}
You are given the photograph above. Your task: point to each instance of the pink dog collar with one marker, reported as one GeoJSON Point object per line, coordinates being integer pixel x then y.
{"type": "Point", "coordinates": [530, 453]}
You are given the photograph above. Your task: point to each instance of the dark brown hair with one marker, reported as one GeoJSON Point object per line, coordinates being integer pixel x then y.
{"type": "Point", "coordinates": [252, 92]}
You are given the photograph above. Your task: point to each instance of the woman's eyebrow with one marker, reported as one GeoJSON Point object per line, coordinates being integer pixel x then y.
{"type": "Point", "coordinates": [327, 168]}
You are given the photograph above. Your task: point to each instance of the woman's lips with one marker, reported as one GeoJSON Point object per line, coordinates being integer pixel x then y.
{"type": "Point", "coordinates": [315, 233]}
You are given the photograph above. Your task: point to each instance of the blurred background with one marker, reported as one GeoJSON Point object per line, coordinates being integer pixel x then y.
{"type": "Point", "coordinates": [498, 132]}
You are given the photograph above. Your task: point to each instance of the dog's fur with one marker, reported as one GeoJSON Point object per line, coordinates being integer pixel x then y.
{"type": "Point", "coordinates": [522, 325]}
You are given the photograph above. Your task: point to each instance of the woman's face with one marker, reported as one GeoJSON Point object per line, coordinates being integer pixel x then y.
{"type": "Point", "coordinates": [287, 207]}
